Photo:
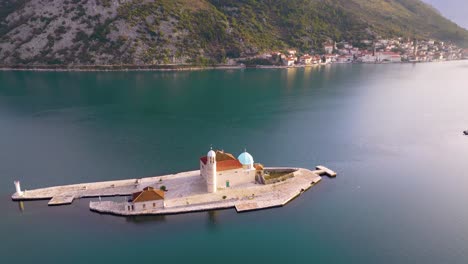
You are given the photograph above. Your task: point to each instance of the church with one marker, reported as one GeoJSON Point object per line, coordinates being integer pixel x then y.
{"type": "Point", "coordinates": [222, 170]}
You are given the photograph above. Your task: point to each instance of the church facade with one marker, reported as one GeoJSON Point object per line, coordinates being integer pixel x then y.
{"type": "Point", "coordinates": [222, 170]}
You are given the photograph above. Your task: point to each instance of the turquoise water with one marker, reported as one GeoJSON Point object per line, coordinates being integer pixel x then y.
{"type": "Point", "coordinates": [392, 132]}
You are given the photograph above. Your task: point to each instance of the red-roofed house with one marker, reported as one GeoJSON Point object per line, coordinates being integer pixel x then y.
{"type": "Point", "coordinates": [289, 61]}
{"type": "Point", "coordinates": [316, 59]}
{"type": "Point", "coordinates": [146, 200]}
{"type": "Point", "coordinates": [306, 59]}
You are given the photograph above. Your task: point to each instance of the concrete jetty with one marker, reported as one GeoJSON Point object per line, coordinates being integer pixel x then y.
{"type": "Point", "coordinates": [186, 192]}
{"type": "Point", "coordinates": [324, 170]}
{"type": "Point", "coordinates": [61, 200]}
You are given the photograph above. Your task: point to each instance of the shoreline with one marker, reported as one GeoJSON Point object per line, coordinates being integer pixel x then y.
{"type": "Point", "coordinates": [176, 68]}
{"type": "Point", "coordinates": [117, 68]}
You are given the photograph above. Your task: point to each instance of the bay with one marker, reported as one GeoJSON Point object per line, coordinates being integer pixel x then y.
{"type": "Point", "coordinates": [392, 132]}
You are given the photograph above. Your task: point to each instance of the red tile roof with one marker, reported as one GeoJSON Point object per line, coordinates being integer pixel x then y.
{"type": "Point", "coordinates": [228, 165]}
{"type": "Point", "coordinates": [148, 194]}
{"type": "Point", "coordinates": [225, 164]}
{"type": "Point", "coordinates": [204, 159]}
{"type": "Point", "coordinates": [224, 161]}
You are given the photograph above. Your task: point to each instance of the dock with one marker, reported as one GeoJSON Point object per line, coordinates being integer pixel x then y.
{"type": "Point", "coordinates": [186, 192]}
{"type": "Point", "coordinates": [61, 200]}
{"type": "Point", "coordinates": [324, 170]}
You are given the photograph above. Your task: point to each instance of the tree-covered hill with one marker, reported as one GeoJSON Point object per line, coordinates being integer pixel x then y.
{"type": "Point", "coordinates": [75, 32]}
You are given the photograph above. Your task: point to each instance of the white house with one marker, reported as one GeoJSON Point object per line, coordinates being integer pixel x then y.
{"type": "Point", "coordinates": [289, 61]}
{"type": "Point", "coordinates": [306, 59]}
{"type": "Point", "coordinates": [328, 49]}
{"type": "Point", "coordinates": [316, 59]}
{"type": "Point", "coordinates": [147, 199]}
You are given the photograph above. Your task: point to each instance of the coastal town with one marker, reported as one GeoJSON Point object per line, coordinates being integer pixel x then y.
{"type": "Point", "coordinates": [393, 50]}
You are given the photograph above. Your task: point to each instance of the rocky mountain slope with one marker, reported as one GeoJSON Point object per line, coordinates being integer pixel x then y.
{"type": "Point", "coordinates": [143, 32]}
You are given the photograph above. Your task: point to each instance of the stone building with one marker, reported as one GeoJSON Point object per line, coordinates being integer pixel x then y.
{"type": "Point", "coordinates": [222, 170]}
{"type": "Point", "coordinates": [147, 199]}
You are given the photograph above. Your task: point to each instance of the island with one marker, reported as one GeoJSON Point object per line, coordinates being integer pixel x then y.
{"type": "Point", "coordinates": [222, 182]}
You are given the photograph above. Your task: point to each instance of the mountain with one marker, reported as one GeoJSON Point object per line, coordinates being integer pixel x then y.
{"type": "Point", "coordinates": [142, 32]}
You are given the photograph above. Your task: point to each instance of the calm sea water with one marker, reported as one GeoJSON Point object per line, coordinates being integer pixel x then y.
{"type": "Point", "coordinates": [392, 132]}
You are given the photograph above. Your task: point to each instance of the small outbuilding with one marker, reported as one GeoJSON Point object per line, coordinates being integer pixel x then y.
{"type": "Point", "coordinates": [147, 199]}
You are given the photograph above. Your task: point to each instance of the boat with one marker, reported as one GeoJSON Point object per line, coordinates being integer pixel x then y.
{"type": "Point", "coordinates": [465, 132]}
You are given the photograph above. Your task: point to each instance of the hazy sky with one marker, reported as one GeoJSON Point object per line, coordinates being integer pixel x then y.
{"type": "Point", "coordinates": [455, 10]}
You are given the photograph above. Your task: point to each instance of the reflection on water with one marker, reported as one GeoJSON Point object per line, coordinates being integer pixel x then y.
{"type": "Point", "coordinates": [138, 219]}
{"type": "Point", "coordinates": [21, 206]}
{"type": "Point", "coordinates": [290, 77]}
{"type": "Point", "coordinates": [212, 219]}
{"type": "Point", "coordinates": [308, 72]}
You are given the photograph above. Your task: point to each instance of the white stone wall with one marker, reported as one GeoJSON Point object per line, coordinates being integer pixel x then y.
{"type": "Point", "coordinates": [141, 206]}
{"type": "Point", "coordinates": [210, 177]}
{"type": "Point", "coordinates": [203, 170]}
{"type": "Point", "coordinates": [236, 177]}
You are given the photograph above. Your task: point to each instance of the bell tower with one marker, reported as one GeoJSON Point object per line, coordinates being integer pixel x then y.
{"type": "Point", "coordinates": [211, 183]}
{"type": "Point", "coordinates": [18, 188]}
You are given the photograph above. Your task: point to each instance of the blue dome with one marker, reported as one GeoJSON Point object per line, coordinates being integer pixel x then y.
{"type": "Point", "coordinates": [245, 158]}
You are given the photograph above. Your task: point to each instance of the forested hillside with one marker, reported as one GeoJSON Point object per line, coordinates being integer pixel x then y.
{"type": "Point", "coordinates": [149, 32]}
